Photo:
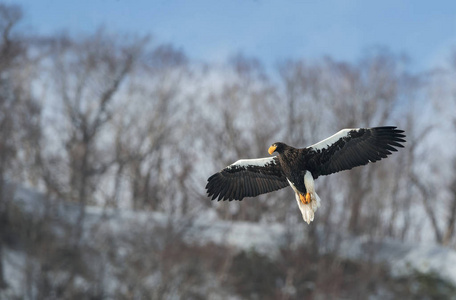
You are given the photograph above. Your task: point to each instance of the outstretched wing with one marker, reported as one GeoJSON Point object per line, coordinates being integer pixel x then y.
{"type": "Point", "coordinates": [247, 178]}
{"type": "Point", "coordinates": [350, 148]}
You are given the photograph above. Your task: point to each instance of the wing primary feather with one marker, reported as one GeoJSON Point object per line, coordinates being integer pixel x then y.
{"type": "Point", "coordinates": [224, 190]}
{"type": "Point", "coordinates": [354, 147]}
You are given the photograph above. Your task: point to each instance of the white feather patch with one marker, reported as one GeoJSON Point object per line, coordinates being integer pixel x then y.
{"type": "Point", "coordinates": [257, 162]}
{"type": "Point", "coordinates": [309, 182]}
{"type": "Point", "coordinates": [332, 139]}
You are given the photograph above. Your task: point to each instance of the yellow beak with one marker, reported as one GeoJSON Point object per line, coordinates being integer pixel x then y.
{"type": "Point", "coordinates": [272, 149]}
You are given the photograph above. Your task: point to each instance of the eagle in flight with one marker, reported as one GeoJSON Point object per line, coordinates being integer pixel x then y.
{"type": "Point", "coordinates": [299, 168]}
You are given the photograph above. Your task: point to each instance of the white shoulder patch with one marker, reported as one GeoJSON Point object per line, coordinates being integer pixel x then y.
{"type": "Point", "coordinates": [257, 162]}
{"type": "Point", "coordinates": [332, 139]}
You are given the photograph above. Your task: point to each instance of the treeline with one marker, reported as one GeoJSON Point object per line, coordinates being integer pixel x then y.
{"type": "Point", "coordinates": [123, 121]}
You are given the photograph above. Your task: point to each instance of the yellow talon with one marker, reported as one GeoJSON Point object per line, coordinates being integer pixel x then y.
{"type": "Point", "coordinates": [305, 199]}
{"type": "Point", "coordinates": [302, 198]}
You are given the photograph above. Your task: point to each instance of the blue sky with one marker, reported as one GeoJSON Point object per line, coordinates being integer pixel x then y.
{"type": "Point", "coordinates": [270, 30]}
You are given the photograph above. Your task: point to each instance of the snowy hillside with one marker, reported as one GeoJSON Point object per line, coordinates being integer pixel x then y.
{"type": "Point", "coordinates": [401, 260]}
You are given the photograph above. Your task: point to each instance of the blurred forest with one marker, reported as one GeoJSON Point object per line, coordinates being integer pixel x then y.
{"type": "Point", "coordinates": [124, 122]}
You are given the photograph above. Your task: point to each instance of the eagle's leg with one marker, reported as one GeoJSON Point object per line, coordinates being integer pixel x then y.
{"type": "Point", "coordinates": [310, 187]}
{"type": "Point", "coordinates": [311, 196]}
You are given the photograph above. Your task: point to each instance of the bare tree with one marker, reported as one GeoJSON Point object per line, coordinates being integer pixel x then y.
{"type": "Point", "coordinates": [239, 120]}
{"type": "Point", "coordinates": [321, 97]}
{"type": "Point", "coordinates": [441, 214]}
{"type": "Point", "coordinates": [451, 217]}
{"type": "Point", "coordinates": [88, 76]}
{"type": "Point", "coordinates": [361, 96]}
{"type": "Point", "coordinates": [135, 125]}
{"type": "Point", "coordinates": [149, 141]}
{"type": "Point", "coordinates": [19, 113]}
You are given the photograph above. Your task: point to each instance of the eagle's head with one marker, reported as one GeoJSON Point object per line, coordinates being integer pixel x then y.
{"type": "Point", "coordinates": [277, 147]}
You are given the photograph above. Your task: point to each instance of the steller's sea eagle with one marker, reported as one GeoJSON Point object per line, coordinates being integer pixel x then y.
{"type": "Point", "coordinates": [298, 168]}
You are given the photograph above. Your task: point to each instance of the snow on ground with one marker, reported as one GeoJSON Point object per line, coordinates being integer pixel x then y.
{"type": "Point", "coordinates": [403, 259]}
{"type": "Point", "coordinates": [14, 265]}
{"type": "Point", "coordinates": [426, 259]}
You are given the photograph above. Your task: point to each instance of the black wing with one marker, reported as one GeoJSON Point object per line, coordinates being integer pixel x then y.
{"type": "Point", "coordinates": [350, 148]}
{"type": "Point", "coordinates": [247, 178]}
